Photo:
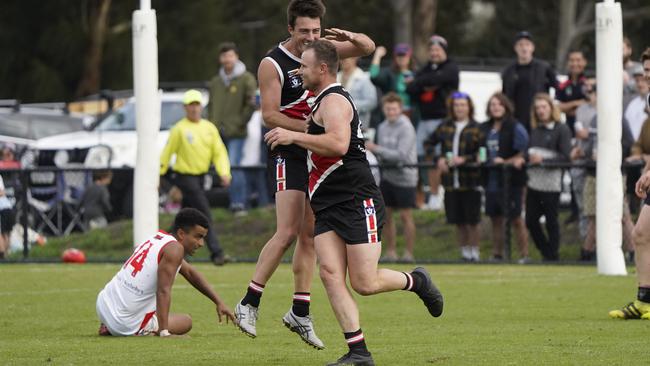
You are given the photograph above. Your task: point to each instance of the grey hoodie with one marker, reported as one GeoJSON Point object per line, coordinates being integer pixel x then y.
{"type": "Point", "coordinates": [397, 145]}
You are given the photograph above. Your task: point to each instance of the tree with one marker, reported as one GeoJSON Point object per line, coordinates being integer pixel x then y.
{"type": "Point", "coordinates": [425, 15]}
{"type": "Point", "coordinates": [95, 21]}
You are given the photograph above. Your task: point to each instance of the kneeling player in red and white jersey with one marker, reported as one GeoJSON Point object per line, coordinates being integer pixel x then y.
{"type": "Point", "coordinates": [137, 300]}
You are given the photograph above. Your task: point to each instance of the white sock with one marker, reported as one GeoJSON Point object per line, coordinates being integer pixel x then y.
{"type": "Point", "coordinates": [475, 253]}
{"type": "Point", "coordinates": [466, 252]}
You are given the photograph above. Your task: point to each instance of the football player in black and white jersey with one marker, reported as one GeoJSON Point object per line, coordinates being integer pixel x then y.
{"type": "Point", "coordinates": [640, 308]}
{"type": "Point", "coordinates": [284, 104]}
{"type": "Point", "coordinates": [347, 203]}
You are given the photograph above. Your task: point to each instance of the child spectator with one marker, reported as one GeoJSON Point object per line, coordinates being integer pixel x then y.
{"type": "Point", "coordinates": [96, 201]}
{"type": "Point", "coordinates": [7, 220]}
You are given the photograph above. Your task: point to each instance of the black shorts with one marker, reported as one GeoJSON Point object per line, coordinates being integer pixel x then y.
{"type": "Point", "coordinates": [647, 199]}
{"type": "Point", "coordinates": [7, 221]}
{"type": "Point", "coordinates": [494, 203]}
{"type": "Point", "coordinates": [463, 207]}
{"type": "Point", "coordinates": [358, 221]}
{"type": "Point", "coordinates": [396, 196]}
{"type": "Point", "coordinates": [287, 173]}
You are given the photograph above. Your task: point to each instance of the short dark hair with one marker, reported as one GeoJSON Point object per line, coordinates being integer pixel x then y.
{"type": "Point", "coordinates": [645, 55]}
{"type": "Point", "coordinates": [304, 8]}
{"type": "Point", "coordinates": [228, 46]}
{"type": "Point", "coordinates": [326, 53]}
{"type": "Point", "coordinates": [187, 218]}
{"type": "Point", "coordinates": [101, 174]}
{"type": "Point", "coordinates": [391, 97]}
{"type": "Point", "coordinates": [577, 50]}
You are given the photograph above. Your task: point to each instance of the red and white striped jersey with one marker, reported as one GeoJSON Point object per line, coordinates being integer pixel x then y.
{"type": "Point", "coordinates": [338, 179]}
{"type": "Point", "coordinates": [130, 297]}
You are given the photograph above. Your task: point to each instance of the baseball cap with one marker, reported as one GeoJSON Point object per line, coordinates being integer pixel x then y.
{"type": "Point", "coordinates": [523, 34]}
{"type": "Point", "coordinates": [439, 40]}
{"type": "Point", "coordinates": [402, 49]}
{"type": "Point", "coordinates": [192, 96]}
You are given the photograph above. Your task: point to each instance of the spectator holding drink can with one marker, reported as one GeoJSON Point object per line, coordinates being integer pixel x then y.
{"type": "Point", "coordinates": [459, 137]}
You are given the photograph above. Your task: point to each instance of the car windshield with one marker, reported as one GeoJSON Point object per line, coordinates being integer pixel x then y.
{"type": "Point", "coordinates": [123, 119]}
{"type": "Point", "coordinates": [36, 127]}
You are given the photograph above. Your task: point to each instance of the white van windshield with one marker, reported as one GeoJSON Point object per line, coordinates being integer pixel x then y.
{"type": "Point", "coordinates": [123, 119]}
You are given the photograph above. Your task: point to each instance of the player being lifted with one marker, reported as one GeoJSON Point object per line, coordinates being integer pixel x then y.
{"type": "Point", "coordinates": [347, 203]}
{"type": "Point", "coordinates": [137, 300]}
{"type": "Point", "coordinates": [285, 104]}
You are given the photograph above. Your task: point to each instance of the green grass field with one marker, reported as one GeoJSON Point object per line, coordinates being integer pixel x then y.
{"type": "Point", "coordinates": [494, 315]}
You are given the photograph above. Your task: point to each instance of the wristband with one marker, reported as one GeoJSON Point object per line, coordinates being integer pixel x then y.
{"type": "Point", "coordinates": [164, 333]}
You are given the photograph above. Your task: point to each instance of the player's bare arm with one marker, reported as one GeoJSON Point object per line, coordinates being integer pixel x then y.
{"type": "Point", "coordinates": [270, 92]}
{"type": "Point", "coordinates": [196, 279]}
{"type": "Point", "coordinates": [171, 258]}
{"type": "Point", "coordinates": [350, 44]}
{"type": "Point", "coordinates": [335, 114]}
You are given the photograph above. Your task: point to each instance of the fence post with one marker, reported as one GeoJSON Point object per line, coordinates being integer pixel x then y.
{"type": "Point", "coordinates": [24, 179]}
{"type": "Point", "coordinates": [505, 173]}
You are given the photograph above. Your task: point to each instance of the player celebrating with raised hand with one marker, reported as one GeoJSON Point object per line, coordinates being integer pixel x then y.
{"type": "Point", "coordinates": [347, 203]}
{"type": "Point", "coordinates": [285, 104]}
{"type": "Point", "coordinates": [137, 300]}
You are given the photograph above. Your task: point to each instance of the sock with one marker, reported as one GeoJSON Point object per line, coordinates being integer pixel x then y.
{"type": "Point", "coordinates": [466, 252]}
{"type": "Point", "coordinates": [301, 301]}
{"type": "Point", "coordinates": [643, 294]}
{"type": "Point", "coordinates": [475, 253]}
{"type": "Point", "coordinates": [253, 294]}
{"type": "Point", "coordinates": [414, 281]}
{"type": "Point", "coordinates": [356, 342]}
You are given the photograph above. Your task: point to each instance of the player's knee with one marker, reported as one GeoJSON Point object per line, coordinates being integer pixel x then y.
{"type": "Point", "coordinates": [640, 236]}
{"type": "Point", "coordinates": [363, 287]}
{"type": "Point", "coordinates": [287, 236]}
{"type": "Point", "coordinates": [328, 275]}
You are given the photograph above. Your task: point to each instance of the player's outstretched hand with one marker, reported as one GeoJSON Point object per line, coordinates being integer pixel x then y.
{"type": "Point", "coordinates": [340, 35]}
{"type": "Point", "coordinates": [224, 311]}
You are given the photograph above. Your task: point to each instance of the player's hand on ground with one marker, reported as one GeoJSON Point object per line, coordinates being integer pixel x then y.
{"type": "Point", "coordinates": [223, 311]}
{"type": "Point", "coordinates": [278, 136]}
{"type": "Point", "coordinates": [642, 185]}
{"type": "Point", "coordinates": [336, 34]}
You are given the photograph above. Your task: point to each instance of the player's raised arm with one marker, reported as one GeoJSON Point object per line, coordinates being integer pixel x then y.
{"type": "Point", "coordinates": [171, 258]}
{"type": "Point", "coordinates": [196, 279]}
{"type": "Point", "coordinates": [335, 113]}
{"type": "Point", "coordinates": [270, 94]}
{"type": "Point", "coordinates": [350, 44]}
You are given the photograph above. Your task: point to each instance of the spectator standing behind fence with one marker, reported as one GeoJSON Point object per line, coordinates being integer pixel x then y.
{"type": "Point", "coordinates": [430, 89]}
{"type": "Point", "coordinates": [525, 77]}
{"type": "Point", "coordinates": [550, 142]}
{"type": "Point", "coordinates": [397, 76]}
{"type": "Point", "coordinates": [570, 94]}
{"type": "Point", "coordinates": [630, 66]}
{"type": "Point", "coordinates": [587, 151]}
{"type": "Point", "coordinates": [232, 102]}
{"type": "Point", "coordinates": [636, 113]}
{"type": "Point", "coordinates": [396, 146]}
{"type": "Point", "coordinates": [506, 142]}
{"type": "Point", "coordinates": [460, 137]}
{"type": "Point", "coordinates": [7, 220]}
{"type": "Point", "coordinates": [8, 157]}
{"type": "Point", "coordinates": [358, 84]}
{"type": "Point", "coordinates": [96, 200]}
{"type": "Point", "coordinates": [196, 143]}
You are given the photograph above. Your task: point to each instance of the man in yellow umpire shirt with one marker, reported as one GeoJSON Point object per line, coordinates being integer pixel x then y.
{"type": "Point", "coordinates": [196, 143]}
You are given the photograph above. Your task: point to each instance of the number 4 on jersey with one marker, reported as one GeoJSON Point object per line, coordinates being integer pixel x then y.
{"type": "Point", "coordinates": [137, 259]}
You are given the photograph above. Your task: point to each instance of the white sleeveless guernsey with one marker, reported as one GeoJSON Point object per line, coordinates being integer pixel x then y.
{"type": "Point", "coordinates": [128, 302]}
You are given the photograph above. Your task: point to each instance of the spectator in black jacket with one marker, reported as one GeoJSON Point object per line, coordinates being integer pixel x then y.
{"type": "Point", "coordinates": [506, 142]}
{"type": "Point", "coordinates": [526, 77]}
{"type": "Point", "coordinates": [429, 90]}
{"type": "Point", "coordinates": [550, 141]}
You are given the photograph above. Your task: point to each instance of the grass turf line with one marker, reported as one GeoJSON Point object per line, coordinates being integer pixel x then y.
{"type": "Point", "coordinates": [494, 315]}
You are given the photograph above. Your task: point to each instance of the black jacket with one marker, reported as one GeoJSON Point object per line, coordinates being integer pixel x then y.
{"type": "Point", "coordinates": [431, 87]}
{"type": "Point", "coordinates": [506, 151]}
{"type": "Point", "coordinates": [542, 78]}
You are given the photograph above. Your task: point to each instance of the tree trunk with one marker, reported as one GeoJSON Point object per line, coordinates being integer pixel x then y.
{"type": "Point", "coordinates": [424, 26]}
{"type": "Point", "coordinates": [567, 17]}
{"type": "Point", "coordinates": [98, 25]}
{"type": "Point", "coordinates": [403, 21]}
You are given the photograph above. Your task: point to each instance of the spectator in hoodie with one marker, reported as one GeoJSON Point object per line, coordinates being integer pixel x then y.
{"type": "Point", "coordinates": [358, 84]}
{"type": "Point", "coordinates": [396, 147]}
{"type": "Point", "coordinates": [232, 102]}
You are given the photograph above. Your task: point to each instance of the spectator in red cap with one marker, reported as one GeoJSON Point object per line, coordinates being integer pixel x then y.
{"type": "Point", "coordinates": [396, 77]}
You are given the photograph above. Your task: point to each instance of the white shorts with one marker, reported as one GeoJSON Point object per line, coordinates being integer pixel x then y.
{"type": "Point", "coordinates": [147, 324]}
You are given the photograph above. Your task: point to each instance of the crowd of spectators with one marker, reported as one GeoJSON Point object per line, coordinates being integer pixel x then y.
{"type": "Point", "coordinates": [420, 116]}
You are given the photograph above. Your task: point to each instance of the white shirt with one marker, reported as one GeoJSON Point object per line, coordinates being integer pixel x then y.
{"type": "Point", "coordinates": [5, 204]}
{"type": "Point", "coordinates": [636, 115]}
{"type": "Point", "coordinates": [130, 297]}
